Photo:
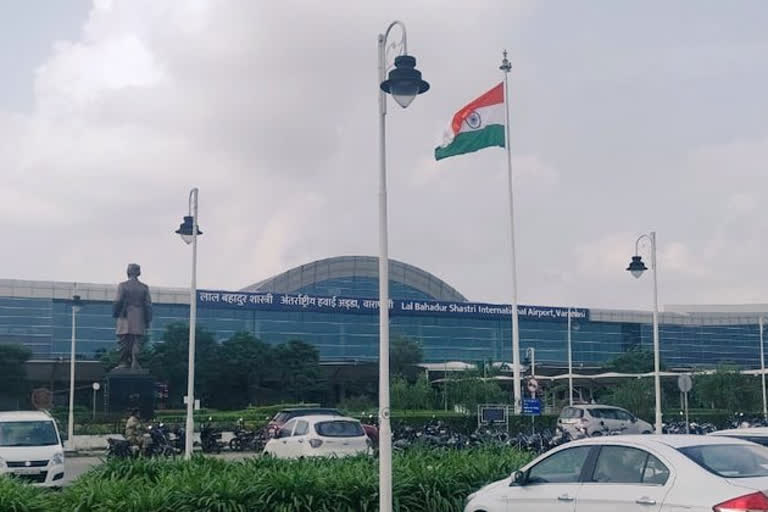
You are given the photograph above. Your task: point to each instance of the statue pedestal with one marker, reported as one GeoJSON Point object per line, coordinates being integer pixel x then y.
{"type": "Point", "coordinates": [127, 389]}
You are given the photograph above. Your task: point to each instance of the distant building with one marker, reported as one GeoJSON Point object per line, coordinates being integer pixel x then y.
{"type": "Point", "coordinates": [333, 304]}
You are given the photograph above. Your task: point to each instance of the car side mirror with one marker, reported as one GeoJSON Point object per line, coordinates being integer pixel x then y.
{"type": "Point", "coordinates": [519, 478]}
{"type": "Point", "coordinates": [633, 420]}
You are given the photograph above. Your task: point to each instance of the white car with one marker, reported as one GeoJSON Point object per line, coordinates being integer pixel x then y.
{"type": "Point", "coordinates": [319, 436]}
{"type": "Point", "coordinates": [30, 447]}
{"type": "Point", "coordinates": [597, 420]}
{"type": "Point", "coordinates": [757, 435]}
{"type": "Point", "coordinates": [636, 473]}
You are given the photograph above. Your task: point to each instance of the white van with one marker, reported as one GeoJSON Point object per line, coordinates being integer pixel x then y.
{"type": "Point", "coordinates": [30, 447]}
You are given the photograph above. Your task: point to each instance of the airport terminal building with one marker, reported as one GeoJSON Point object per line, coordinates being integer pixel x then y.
{"type": "Point", "coordinates": [333, 304]}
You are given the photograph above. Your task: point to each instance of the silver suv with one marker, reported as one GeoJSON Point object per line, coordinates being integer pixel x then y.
{"type": "Point", "coordinates": [597, 420]}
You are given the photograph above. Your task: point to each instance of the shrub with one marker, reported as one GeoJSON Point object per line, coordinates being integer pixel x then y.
{"type": "Point", "coordinates": [18, 497]}
{"type": "Point", "coordinates": [424, 480]}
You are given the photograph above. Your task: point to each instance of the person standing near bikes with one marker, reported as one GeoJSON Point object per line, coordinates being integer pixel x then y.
{"type": "Point", "coordinates": [134, 430]}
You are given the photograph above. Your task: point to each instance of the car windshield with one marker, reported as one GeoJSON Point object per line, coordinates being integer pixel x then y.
{"type": "Point", "coordinates": [339, 429]}
{"type": "Point", "coordinates": [28, 433]}
{"type": "Point", "coordinates": [730, 460]}
{"type": "Point", "coordinates": [571, 412]}
{"type": "Point", "coordinates": [280, 417]}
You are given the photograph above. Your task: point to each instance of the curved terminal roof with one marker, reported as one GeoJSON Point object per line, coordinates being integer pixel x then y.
{"type": "Point", "coordinates": [358, 276]}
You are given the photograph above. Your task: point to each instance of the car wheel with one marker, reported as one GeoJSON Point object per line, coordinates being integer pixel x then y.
{"type": "Point", "coordinates": [235, 445]}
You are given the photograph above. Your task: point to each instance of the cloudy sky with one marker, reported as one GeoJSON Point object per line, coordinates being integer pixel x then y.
{"type": "Point", "coordinates": [626, 118]}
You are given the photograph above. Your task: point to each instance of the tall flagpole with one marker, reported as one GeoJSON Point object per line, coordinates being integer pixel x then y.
{"type": "Point", "coordinates": [506, 67]}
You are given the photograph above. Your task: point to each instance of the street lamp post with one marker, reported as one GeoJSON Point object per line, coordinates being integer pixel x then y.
{"type": "Point", "coordinates": [762, 369]}
{"type": "Point", "coordinates": [404, 84]}
{"type": "Point", "coordinates": [570, 362]}
{"type": "Point", "coordinates": [95, 386]}
{"type": "Point", "coordinates": [71, 416]}
{"type": "Point", "coordinates": [636, 268]}
{"type": "Point", "coordinates": [530, 353]}
{"type": "Point", "coordinates": [189, 230]}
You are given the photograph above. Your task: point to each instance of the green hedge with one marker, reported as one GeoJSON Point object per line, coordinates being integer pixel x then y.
{"type": "Point", "coordinates": [423, 480]}
{"type": "Point", "coordinates": [256, 418]}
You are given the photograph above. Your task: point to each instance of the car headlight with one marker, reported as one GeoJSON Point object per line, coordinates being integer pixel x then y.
{"type": "Point", "coordinates": [58, 458]}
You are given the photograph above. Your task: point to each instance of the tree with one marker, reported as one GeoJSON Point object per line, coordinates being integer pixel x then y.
{"type": "Point", "coordinates": [169, 362]}
{"type": "Point", "coordinates": [635, 360]}
{"type": "Point", "coordinates": [404, 355]}
{"type": "Point", "coordinates": [470, 390]}
{"type": "Point", "coordinates": [245, 362]}
{"type": "Point", "coordinates": [727, 389]}
{"type": "Point", "coordinates": [419, 395]}
{"type": "Point", "coordinates": [634, 395]}
{"type": "Point", "coordinates": [13, 374]}
{"type": "Point", "coordinates": [298, 369]}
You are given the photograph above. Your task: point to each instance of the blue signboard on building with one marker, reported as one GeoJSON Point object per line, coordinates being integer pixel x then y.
{"type": "Point", "coordinates": [266, 301]}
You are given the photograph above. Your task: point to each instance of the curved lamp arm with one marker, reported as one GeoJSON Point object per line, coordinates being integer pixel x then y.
{"type": "Point", "coordinates": [652, 240]}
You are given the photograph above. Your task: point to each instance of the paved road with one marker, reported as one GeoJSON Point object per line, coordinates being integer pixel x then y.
{"type": "Point", "coordinates": [76, 466]}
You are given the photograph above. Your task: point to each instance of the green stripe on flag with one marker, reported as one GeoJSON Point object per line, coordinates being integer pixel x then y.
{"type": "Point", "coordinates": [467, 142]}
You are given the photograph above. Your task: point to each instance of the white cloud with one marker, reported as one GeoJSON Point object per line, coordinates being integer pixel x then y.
{"type": "Point", "coordinates": [270, 108]}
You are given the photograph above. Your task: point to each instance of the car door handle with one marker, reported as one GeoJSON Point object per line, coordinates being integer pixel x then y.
{"type": "Point", "coordinates": [645, 500]}
{"type": "Point", "coordinates": [565, 497]}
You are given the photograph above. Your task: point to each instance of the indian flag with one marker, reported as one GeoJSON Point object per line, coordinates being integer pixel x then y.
{"type": "Point", "coordinates": [480, 124]}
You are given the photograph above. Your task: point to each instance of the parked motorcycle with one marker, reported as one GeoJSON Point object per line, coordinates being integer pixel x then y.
{"type": "Point", "coordinates": [120, 448]}
{"type": "Point", "coordinates": [179, 439]}
{"type": "Point", "coordinates": [210, 438]}
{"type": "Point", "coordinates": [160, 441]}
{"type": "Point", "coordinates": [245, 439]}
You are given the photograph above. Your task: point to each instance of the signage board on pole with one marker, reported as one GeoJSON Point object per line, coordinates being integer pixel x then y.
{"type": "Point", "coordinates": [531, 406]}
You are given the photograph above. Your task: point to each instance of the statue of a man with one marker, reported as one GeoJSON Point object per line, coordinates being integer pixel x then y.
{"type": "Point", "coordinates": [133, 310]}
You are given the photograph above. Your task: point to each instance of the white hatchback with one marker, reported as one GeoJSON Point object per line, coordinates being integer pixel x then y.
{"type": "Point", "coordinates": [319, 436]}
{"type": "Point", "coordinates": [30, 447]}
{"type": "Point", "coordinates": [636, 473]}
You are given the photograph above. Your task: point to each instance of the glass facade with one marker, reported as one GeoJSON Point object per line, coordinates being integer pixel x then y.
{"type": "Point", "coordinates": [363, 287]}
{"type": "Point", "coordinates": [44, 326]}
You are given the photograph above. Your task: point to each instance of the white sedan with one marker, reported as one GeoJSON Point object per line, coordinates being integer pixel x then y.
{"type": "Point", "coordinates": [636, 473]}
{"type": "Point", "coordinates": [757, 435]}
{"type": "Point", "coordinates": [318, 436]}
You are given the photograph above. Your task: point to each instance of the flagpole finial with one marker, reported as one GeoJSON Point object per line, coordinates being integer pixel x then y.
{"type": "Point", "coordinates": [506, 66]}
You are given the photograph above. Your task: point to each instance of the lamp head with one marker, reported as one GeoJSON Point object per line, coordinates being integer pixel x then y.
{"type": "Point", "coordinates": [404, 82]}
{"type": "Point", "coordinates": [186, 229]}
{"type": "Point", "coordinates": [637, 266]}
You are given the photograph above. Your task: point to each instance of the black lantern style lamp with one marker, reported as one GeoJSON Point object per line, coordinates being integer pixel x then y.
{"type": "Point", "coordinates": [404, 82]}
